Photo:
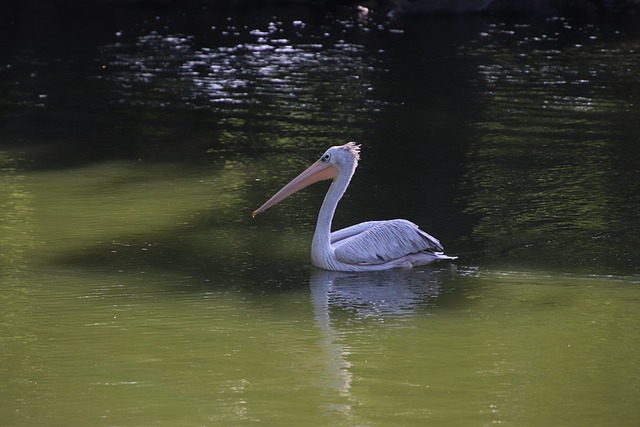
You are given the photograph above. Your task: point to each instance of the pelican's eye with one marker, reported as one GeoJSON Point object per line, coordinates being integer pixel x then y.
{"type": "Point", "coordinates": [325, 158]}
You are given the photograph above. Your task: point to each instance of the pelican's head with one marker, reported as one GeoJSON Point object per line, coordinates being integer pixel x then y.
{"type": "Point", "coordinates": [334, 161]}
{"type": "Point", "coordinates": [342, 157]}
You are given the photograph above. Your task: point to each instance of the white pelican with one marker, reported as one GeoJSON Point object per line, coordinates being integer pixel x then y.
{"type": "Point", "coordinates": [371, 245]}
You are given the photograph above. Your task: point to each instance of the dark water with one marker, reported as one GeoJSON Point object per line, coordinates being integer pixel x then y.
{"type": "Point", "coordinates": [137, 289]}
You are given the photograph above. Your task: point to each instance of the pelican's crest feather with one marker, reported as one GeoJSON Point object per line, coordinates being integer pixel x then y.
{"type": "Point", "coordinates": [353, 148]}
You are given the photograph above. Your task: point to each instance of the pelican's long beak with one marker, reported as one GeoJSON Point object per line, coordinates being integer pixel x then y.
{"type": "Point", "coordinates": [316, 172]}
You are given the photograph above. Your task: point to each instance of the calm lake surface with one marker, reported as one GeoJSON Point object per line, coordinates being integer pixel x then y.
{"type": "Point", "coordinates": [136, 289]}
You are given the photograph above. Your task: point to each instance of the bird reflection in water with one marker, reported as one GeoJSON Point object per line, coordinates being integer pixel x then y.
{"type": "Point", "coordinates": [384, 297]}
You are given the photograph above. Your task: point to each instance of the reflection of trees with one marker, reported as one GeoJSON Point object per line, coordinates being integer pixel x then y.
{"type": "Point", "coordinates": [258, 84]}
{"type": "Point", "coordinates": [546, 174]}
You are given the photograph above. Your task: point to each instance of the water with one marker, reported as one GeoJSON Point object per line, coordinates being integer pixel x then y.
{"type": "Point", "coordinates": [138, 290]}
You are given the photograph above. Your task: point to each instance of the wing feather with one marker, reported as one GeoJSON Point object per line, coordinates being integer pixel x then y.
{"type": "Point", "coordinates": [382, 241]}
{"type": "Point", "coordinates": [351, 231]}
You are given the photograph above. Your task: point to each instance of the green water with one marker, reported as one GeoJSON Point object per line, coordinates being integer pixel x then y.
{"type": "Point", "coordinates": [121, 308]}
{"type": "Point", "coordinates": [136, 289]}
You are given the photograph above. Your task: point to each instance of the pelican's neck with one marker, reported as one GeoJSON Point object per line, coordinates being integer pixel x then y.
{"type": "Point", "coordinates": [321, 244]}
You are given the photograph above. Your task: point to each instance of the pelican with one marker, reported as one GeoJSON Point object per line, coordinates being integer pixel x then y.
{"type": "Point", "coordinates": [371, 245]}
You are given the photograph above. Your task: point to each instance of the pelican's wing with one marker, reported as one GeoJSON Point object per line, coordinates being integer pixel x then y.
{"type": "Point", "coordinates": [345, 233]}
{"type": "Point", "coordinates": [384, 241]}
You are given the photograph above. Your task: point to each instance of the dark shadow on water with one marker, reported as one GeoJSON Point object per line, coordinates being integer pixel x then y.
{"type": "Point", "coordinates": [209, 256]}
{"type": "Point", "coordinates": [200, 257]}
